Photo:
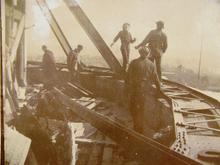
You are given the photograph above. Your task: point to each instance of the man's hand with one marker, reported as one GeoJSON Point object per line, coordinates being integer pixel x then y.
{"type": "Point", "coordinates": [136, 47]}
{"type": "Point", "coordinates": [134, 39]}
{"type": "Point", "coordinates": [160, 93]}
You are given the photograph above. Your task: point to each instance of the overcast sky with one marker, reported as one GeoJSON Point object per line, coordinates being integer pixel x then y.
{"type": "Point", "coordinates": [186, 23]}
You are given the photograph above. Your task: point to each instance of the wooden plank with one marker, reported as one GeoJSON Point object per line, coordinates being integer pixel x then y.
{"type": "Point", "coordinates": [12, 103]}
{"type": "Point", "coordinates": [171, 88]}
{"type": "Point", "coordinates": [94, 35]}
{"type": "Point", "coordinates": [84, 92]}
{"type": "Point", "coordinates": [75, 127]}
{"type": "Point", "coordinates": [16, 147]}
{"type": "Point", "coordinates": [203, 121]}
{"type": "Point", "coordinates": [165, 89]}
{"type": "Point", "coordinates": [195, 113]}
{"type": "Point", "coordinates": [94, 142]}
{"type": "Point", "coordinates": [183, 98]}
{"type": "Point", "coordinates": [91, 106]}
{"type": "Point", "coordinates": [95, 69]}
{"type": "Point", "coordinates": [13, 49]}
{"type": "Point", "coordinates": [82, 88]}
{"type": "Point", "coordinates": [208, 128]}
{"type": "Point", "coordinates": [178, 94]}
{"type": "Point", "coordinates": [198, 109]}
{"type": "Point", "coordinates": [39, 64]}
{"type": "Point", "coordinates": [85, 100]}
{"type": "Point", "coordinates": [84, 103]}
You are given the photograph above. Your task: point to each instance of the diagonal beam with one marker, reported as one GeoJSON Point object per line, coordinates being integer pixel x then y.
{"type": "Point", "coordinates": [94, 35]}
{"type": "Point", "coordinates": [95, 142]}
{"type": "Point", "coordinates": [54, 26]}
{"type": "Point", "coordinates": [202, 127]}
{"type": "Point", "coordinates": [198, 109]}
{"type": "Point", "coordinates": [202, 121]}
{"type": "Point", "coordinates": [195, 113]}
{"type": "Point", "coordinates": [142, 148]}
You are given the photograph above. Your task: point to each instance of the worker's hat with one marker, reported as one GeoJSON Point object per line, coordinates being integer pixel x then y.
{"type": "Point", "coordinates": [44, 47]}
{"type": "Point", "coordinates": [144, 49]}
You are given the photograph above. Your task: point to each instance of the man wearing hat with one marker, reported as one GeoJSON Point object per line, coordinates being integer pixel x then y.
{"type": "Point", "coordinates": [139, 83]}
{"type": "Point", "coordinates": [157, 42]}
{"type": "Point", "coordinates": [49, 68]}
{"type": "Point", "coordinates": [126, 39]}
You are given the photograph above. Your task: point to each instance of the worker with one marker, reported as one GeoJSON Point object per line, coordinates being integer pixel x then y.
{"type": "Point", "coordinates": [126, 39]}
{"type": "Point", "coordinates": [157, 41]}
{"type": "Point", "coordinates": [73, 62]}
{"type": "Point", "coordinates": [139, 82]}
{"type": "Point", "coordinates": [49, 68]}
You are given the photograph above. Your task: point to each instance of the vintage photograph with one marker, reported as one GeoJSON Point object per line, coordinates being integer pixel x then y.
{"type": "Point", "coordinates": [110, 82]}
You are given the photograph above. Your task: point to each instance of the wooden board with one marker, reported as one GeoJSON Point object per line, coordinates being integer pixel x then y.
{"type": "Point", "coordinates": [16, 147]}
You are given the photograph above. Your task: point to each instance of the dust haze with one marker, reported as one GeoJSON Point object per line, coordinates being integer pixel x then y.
{"type": "Point", "coordinates": [191, 26]}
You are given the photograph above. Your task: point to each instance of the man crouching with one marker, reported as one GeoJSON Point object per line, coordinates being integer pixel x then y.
{"type": "Point", "coordinates": [141, 76]}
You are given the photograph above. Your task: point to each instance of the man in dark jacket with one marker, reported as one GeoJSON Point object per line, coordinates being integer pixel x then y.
{"type": "Point", "coordinates": [73, 61]}
{"type": "Point", "coordinates": [157, 42]}
{"type": "Point", "coordinates": [140, 78]}
{"type": "Point", "coordinates": [126, 39]}
{"type": "Point", "coordinates": [49, 68]}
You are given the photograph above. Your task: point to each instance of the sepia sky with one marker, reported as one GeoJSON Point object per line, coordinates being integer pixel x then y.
{"type": "Point", "coordinates": [188, 25]}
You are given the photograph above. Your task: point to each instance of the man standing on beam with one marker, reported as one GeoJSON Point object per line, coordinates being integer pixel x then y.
{"type": "Point", "coordinates": [126, 39]}
{"type": "Point", "coordinates": [139, 83]}
{"type": "Point", "coordinates": [73, 62]}
{"type": "Point", "coordinates": [49, 68]}
{"type": "Point", "coordinates": [157, 42]}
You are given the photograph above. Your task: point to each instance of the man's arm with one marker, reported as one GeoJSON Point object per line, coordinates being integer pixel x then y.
{"type": "Point", "coordinates": [144, 42]}
{"type": "Point", "coordinates": [165, 43]}
{"type": "Point", "coordinates": [132, 39]}
{"type": "Point", "coordinates": [116, 38]}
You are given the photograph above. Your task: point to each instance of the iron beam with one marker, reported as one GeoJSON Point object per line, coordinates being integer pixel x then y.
{"type": "Point", "coordinates": [142, 148]}
{"type": "Point", "coordinates": [54, 26]}
{"type": "Point", "coordinates": [93, 34]}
